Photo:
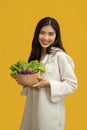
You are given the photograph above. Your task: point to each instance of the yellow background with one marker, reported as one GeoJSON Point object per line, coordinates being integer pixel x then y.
{"type": "Point", "coordinates": [18, 19]}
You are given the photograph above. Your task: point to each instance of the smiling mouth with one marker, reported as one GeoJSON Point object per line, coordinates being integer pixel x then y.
{"type": "Point", "coordinates": [45, 43]}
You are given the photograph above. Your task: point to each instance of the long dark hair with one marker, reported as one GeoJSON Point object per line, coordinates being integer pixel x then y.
{"type": "Point", "coordinates": [36, 47]}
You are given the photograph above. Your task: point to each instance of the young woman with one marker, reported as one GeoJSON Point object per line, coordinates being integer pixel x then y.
{"type": "Point", "coordinates": [44, 108]}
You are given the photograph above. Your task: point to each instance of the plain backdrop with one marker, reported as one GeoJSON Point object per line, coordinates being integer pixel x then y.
{"type": "Point", "coordinates": [18, 19]}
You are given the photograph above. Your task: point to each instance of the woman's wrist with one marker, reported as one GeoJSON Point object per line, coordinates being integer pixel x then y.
{"type": "Point", "coordinates": [47, 83]}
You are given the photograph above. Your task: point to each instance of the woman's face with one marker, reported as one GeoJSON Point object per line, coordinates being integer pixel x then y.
{"type": "Point", "coordinates": [47, 36]}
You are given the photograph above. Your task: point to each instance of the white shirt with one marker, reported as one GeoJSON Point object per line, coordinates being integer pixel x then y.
{"type": "Point", "coordinates": [44, 108]}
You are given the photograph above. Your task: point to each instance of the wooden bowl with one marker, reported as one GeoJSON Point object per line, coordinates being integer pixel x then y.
{"type": "Point", "coordinates": [28, 79]}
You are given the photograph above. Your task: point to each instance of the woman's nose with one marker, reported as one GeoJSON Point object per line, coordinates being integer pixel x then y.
{"type": "Point", "coordinates": [46, 36]}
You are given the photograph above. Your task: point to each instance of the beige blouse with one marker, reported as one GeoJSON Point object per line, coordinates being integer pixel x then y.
{"type": "Point", "coordinates": [44, 108]}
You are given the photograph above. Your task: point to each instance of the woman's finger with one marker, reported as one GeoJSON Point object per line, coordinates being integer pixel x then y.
{"type": "Point", "coordinates": [39, 78]}
{"type": "Point", "coordinates": [36, 85]}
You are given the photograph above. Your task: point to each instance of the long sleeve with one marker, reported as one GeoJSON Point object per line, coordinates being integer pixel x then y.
{"type": "Point", "coordinates": [68, 82]}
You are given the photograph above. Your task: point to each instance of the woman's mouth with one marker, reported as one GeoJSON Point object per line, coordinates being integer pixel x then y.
{"type": "Point", "coordinates": [45, 42]}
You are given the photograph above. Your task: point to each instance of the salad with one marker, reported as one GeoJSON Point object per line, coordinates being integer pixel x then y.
{"type": "Point", "coordinates": [22, 67]}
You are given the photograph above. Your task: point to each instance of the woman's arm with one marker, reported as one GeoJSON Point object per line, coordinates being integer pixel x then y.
{"type": "Point", "coordinates": [68, 83]}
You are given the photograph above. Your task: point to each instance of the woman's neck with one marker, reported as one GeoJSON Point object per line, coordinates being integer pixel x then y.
{"type": "Point", "coordinates": [43, 52]}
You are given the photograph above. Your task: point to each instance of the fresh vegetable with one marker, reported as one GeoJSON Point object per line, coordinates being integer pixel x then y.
{"type": "Point", "coordinates": [22, 67]}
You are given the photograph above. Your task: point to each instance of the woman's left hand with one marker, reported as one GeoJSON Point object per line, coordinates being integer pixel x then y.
{"type": "Point", "coordinates": [42, 83]}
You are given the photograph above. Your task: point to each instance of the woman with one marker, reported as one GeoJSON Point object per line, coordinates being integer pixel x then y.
{"type": "Point", "coordinates": [44, 108]}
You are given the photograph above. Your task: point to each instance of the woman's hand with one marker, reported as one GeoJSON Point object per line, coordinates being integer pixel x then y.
{"type": "Point", "coordinates": [42, 83]}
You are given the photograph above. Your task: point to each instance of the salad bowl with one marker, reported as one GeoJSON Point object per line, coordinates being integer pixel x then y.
{"type": "Point", "coordinates": [26, 73]}
{"type": "Point", "coordinates": [28, 79]}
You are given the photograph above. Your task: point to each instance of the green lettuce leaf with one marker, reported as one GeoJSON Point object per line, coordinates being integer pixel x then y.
{"type": "Point", "coordinates": [35, 65]}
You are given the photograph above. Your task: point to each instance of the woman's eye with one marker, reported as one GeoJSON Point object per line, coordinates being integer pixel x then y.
{"type": "Point", "coordinates": [51, 34]}
{"type": "Point", "coordinates": [42, 32]}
